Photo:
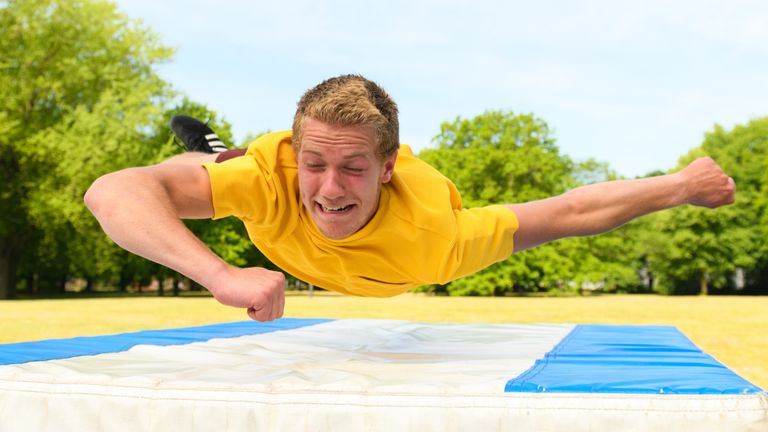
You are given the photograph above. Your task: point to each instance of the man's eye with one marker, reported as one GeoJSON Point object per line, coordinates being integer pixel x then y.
{"type": "Point", "coordinates": [355, 170]}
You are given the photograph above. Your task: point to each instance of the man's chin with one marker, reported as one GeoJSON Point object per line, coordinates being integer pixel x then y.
{"type": "Point", "coordinates": [335, 227]}
{"type": "Point", "coordinates": [335, 233]}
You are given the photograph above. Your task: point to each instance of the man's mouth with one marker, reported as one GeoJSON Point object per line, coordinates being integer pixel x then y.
{"type": "Point", "coordinates": [336, 210]}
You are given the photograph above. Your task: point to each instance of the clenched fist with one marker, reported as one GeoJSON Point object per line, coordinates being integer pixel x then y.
{"type": "Point", "coordinates": [259, 290]}
{"type": "Point", "coordinates": [707, 185]}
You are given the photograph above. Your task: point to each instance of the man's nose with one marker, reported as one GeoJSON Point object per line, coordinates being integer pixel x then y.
{"type": "Point", "coordinates": [332, 186]}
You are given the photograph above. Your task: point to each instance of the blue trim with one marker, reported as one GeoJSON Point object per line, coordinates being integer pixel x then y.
{"type": "Point", "coordinates": [52, 349]}
{"type": "Point", "coordinates": [629, 359]}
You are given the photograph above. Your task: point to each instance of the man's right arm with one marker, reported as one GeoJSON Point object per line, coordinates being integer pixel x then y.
{"type": "Point", "coordinates": [601, 207]}
{"type": "Point", "coordinates": [141, 210]}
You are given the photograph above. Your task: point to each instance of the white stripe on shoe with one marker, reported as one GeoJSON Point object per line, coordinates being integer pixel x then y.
{"type": "Point", "coordinates": [217, 146]}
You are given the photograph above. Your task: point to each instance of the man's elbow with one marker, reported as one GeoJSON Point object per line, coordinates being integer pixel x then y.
{"type": "Point", "coordinates": [102, 192]}
{"type": "Point", "coordinates": [94, 196]}
{"type": "Point", "coordinates": [575, 203]}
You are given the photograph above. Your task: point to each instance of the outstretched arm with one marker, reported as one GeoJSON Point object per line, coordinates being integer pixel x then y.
{"type": "Point", "coordinates": [141, 208]}
{"type": "Point", "coordinates": [601, 207]}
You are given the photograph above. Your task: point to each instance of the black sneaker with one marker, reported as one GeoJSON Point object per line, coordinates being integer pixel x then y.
{"type": "Point", "coordinates": [196, 135]}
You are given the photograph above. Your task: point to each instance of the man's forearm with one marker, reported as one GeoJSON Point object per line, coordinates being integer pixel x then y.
{"type": "Point", "coordinates": [136, 211]}
{"type": "Point", "coordinates": [601, 207]}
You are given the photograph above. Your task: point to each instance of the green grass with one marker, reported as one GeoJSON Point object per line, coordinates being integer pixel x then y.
{"type": "Point", "coordinates": [733, 329]}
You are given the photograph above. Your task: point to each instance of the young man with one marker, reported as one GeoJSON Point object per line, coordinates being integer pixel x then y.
{"type": "Point", "coordinates": [336, 202]}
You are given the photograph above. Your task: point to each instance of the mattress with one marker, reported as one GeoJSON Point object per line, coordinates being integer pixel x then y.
{"type": "Point", "coordinates": [375, 375]}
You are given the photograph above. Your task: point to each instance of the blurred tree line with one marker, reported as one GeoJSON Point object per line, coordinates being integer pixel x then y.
{"type": "Point", "coordinates": [81, 97]}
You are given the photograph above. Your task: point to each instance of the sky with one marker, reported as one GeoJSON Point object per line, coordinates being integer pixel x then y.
{"type": "Point", "coordinates": [633, 84]}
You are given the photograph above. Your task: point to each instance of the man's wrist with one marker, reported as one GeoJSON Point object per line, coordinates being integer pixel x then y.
{"type": "Point", "coordinates": [680, 190]}
{"type": "Point", "coordinates": [213, 275]}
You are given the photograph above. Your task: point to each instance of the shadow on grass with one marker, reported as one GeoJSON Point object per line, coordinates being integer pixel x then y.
{"type": "Point", "coordinates": [107, 294]}
{"type": "Point", "coordinates": [117, 294]}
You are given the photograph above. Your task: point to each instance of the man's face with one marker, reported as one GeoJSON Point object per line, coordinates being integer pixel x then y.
{"type": "Point", "coordinates": [340, 176]}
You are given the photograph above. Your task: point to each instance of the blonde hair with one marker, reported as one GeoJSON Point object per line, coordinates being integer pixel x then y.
{"type": "Point", "coordinates": [351, 100]}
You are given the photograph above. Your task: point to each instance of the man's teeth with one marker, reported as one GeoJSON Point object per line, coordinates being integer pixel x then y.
{"type": "Point", "coordinates": [334, 209]}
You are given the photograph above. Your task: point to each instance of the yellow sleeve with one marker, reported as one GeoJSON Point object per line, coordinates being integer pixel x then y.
{"type": "Point", "coordinates": [241, 188]}
{"type": "Point", "coordinates": [484, 236]}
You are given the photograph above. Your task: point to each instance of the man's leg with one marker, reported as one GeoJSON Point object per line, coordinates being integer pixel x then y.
{"type": "Point", "coordinates": [197, 158]}
{"type": "Point", "coordinates": [229, 154]}
{"type": "Point", "coordinates": [191, 158]}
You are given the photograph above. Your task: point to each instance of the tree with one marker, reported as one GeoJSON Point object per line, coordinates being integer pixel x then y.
{"type": "Point", "coordinates": [79, 91]}
{"type": "Point", "coordinates": [518, 159]}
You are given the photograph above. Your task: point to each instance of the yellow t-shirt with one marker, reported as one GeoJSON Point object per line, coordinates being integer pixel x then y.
{"type": "Point", "coordinates": [419, 235]}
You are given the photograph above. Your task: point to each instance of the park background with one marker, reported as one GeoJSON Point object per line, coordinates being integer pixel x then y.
{"type": "Point", "coordinates": [88, 88]}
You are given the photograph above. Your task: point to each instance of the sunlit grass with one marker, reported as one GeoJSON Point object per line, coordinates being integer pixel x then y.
{"type": "Point", "coordinates": [733, 329]}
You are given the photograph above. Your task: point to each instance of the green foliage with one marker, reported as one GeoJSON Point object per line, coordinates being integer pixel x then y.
{"type": "Point", "coordinates": [701, 249]}
{"type": "Point", "coordinates": [79, 89]}
{"type": "Point", "coordinates": [81, 98]}
{"type": "Point", "coordinates": [518, 159]}
{"type": "Point", "coordinates": [677, 263]}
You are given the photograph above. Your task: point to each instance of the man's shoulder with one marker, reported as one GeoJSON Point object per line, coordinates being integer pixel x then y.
{"type": "Point", "coordinates": [275, 149]}
{"type": "Point", "coordinates": [270, 140]}
{"type": "Point", "coordinates": [422, 195]}
{"type": "Point", "coordinates": [420, 176]}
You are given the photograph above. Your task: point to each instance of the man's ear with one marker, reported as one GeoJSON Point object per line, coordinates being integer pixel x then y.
{"type": "Point", "coordinates": [389, 168]}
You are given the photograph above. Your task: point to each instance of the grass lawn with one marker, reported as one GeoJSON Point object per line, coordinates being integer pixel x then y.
{"type": "Point", "coordinates": [733, 329]}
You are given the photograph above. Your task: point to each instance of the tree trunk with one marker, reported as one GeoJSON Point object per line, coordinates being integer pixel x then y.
{"type": "Point", "coordinates": [123, 283]}
{"type": "Point", "coordinates": [704, 284]}
{"type": "Point", "coordinates": [8, 263]}
{"type": "Point", "coordinates": [31, 285]}
{"type": "Point", "coordinates": [7, 278]}
{"type": "Point", "coordinates": [194, 286]}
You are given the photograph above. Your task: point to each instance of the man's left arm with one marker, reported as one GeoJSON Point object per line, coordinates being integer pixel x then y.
{"type": "Point", "coordinates": [601, 207]}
